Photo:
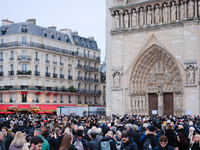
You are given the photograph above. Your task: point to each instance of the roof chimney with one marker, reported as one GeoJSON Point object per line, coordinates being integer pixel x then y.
{"type": "Point", "coordinates": [91, 38]}
{"type": "Point", "coordinates": [52, 28]}
{"type": "Point", "coordinates": [7, 22]}
{"type": "Point", "coordinates": [31, 21]}
{"type": "Point", "coordinates": [75, 33]}
{"type": "Point", "coordinates": [65, 31]}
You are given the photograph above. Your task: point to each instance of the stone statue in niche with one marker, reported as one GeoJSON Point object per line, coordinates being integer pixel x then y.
{"type": "Point", "coordinates": [182, 11]}
{"type": "Point", "coordinates": [190, 75]}
{"type": "Point", "coordinates": [190, 9]}
{"type": "Point", "coordinates": [117, 20]}
{"type": "Point", "coordinates": [126, 20]}
{"type": "Point", "coordinates": [133, 101]}
{"type": "Point", "coordinates": [134, 21]}
{"type": "Point", "coordinates": [173, 12]}
{"type": "Point", "coordinates": [116, 83]}
{"type": "Point", "coordinates": [143, 100]}
{"type": "Point", "coordinates": [157, 16]}
{"type": "Point", "coordinates": [165, 14]}
{"type": "Point", "coordinates": [141, 17]}
{"type": "Point", "coordinates": [160, 99]}
{"type": "Point", "coordinates": [140, 101]}
{"type": "Point", "coordinates": [149, 16]}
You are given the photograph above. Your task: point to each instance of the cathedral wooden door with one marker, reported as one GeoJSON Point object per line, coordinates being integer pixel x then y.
{"type": "Point", "coordinates": [153, 103]}
{"type": "Point", "coordinates": [168, 104]}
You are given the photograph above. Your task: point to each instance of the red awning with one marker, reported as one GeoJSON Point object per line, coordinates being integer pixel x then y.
{"type": "Point", "coordinates": [24, 92]}
{"type": "Point", "coordinates": [38, 93]}
{"type": "Point", "coordinates": [7, 112]}
{"type": "Point", "coordinates": [4, 108]}
{"type": "Point", "coordinates": [12, 107]}
{"type": "Point", "coordinates": [23, 108]}
{"type": "Point", "coordinates": [33, 106]}
{"type": "Point", "coordinates": [48, 93]}
{"type": "Point", "coordinates": [48, 107]}
{"type": "Point", "coordinates": [44, 112]}
{"type": "Point", "coordinates": [55, 94]}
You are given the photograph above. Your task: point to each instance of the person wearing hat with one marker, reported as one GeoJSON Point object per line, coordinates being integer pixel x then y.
{"type": "Point", "coordinates": [80, 138]}
{"type": "Point", "coordinates": [7, 138]}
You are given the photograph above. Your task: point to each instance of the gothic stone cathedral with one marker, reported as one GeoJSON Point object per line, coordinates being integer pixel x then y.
{"type": "Point", "coordinates": [153, 57]}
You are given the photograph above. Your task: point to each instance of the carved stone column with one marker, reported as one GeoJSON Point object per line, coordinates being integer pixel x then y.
{"type": "Point", "coordinates": [130, 18]}
{"type": "Point", "coordinates": [160, 103]}
{"type": "Point", "coordinates": [121, 19]}
{"type": "Point", "coordinates": [177, 7]}
{"type": "Point", "coordinates": [195, 8]}
{"type": "Point", "coordinates": [161, 14]}
{"type": "Point", "coordinates": [153, 14]}
{"type": "Point", "coordinates": [169, 12]}
{"type": "Point", "coordinates": [145, 17]}
{"type": "Point", "coordinates": [186, 10]}
{"type": "Point", "coordinates": [137, 11]}
{"type": "Point", "coordinates": [113, 20]}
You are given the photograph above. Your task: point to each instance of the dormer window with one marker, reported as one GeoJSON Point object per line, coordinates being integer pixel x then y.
{"type": "Point", "coordinates": [59, 38]}
{"type": "Point", "coordinates": [4, 31]}
{"type": "Point", "coordinates": [24, 29]}
{"type": "Point", "coordinates": [45, 34]}
{"type": "Point", "coordinates": [52, 36]}
{"type": "Point", "coordinates": [67, 40]}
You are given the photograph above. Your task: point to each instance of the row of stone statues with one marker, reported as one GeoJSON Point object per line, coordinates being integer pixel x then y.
{"type": "Point", "coordinates": [155, 15]}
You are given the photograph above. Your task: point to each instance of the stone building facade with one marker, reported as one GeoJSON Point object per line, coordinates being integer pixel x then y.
{"type": "Point", "coordinates": [152, 55]}
{"type": "Point", "coordinates": [48, 66]}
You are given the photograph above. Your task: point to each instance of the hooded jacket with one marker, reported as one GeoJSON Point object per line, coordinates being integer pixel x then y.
{"type": "Point", "coordinates": [130, 145]}
{"type": "Point", "coordinates": [153, 137]}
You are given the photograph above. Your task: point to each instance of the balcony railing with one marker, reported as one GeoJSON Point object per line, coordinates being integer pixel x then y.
{"type": "Point", "coordinates": [79, 66]}
{"type": "Point", "coordinates": [23, 72]}
{"type": "Point", "coordinates": [47, 61]}
{"type": "Point", "coordinates": [88, 91]}
{"type": "Point", "coordinates": [24, 57]}
{"type": "Point", "coordinates": [69, 77]}
{"type": "Point", "coordinates": [55, 75]}
{"type": "Point", "coordinates": [79, 78]}
{"type": "Point", "coordinates": [96, 80]}
{"type": "Point", "coordinates": [37, 73]}
{"type": "Point", "coordinates": [47, 74]}
{"type": "Point", "coordinates": [54, 62]}
{"type": "Point", "coordinates": [61, 63]}
{"type": "Point", "coordinates": [88, 79]}
{"type": "Point", "coordinates": [11, 58]}
{"type": "Point", "coordinates": [62, 76]}
{"type": "Point", "coordinates": [11, 72]}
{"type": "Point", "coordinates": [91, 68]}
{"type": "Point", "coordinates": [1, 73]}
{"type": "Point", "coordinates": [42, 46]}
{"type": "Point", "coordinates": [36, 59]}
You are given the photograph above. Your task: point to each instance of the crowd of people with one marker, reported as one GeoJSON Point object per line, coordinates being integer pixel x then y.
{"type": "Point", "coordinates": [95, 132]}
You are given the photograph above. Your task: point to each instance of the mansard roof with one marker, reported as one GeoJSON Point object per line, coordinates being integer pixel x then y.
{"type": "Point", "coordinates": [25, 27]}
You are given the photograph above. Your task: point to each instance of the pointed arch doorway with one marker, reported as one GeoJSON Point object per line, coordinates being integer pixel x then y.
{"type": "Point", "coordinates": [155, 82]}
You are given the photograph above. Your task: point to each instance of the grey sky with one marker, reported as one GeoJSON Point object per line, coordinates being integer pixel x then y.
{"type": "Point", "coordinates": [85, 16]}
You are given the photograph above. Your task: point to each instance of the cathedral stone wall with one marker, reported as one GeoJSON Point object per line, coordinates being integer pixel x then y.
{"type": "Point", "coordinates": [132, 76]}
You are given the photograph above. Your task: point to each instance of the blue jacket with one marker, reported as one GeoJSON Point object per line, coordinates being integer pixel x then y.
{"type": "Point", "coordinates": [129, 145]}
{"type": "Point", "coordinates": [142, 139]}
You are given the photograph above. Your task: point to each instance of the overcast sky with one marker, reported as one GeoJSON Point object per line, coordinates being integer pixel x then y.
{"type": "Point", "coordinates": [85, 16]}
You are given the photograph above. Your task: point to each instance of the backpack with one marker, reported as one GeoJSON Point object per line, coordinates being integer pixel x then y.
{"type": "Point", "coordinates": [78, 144]}
{"type": "Point", "coordinates": [147, 145]}
{"type": "Point", "coordinates": [105, 145]}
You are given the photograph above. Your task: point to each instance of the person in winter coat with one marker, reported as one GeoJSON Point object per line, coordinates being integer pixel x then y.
{"type": "Point", "coordinates": [128, 143]}
{"type": "Point", "coordinates": [117, 138]}
{"type": "Point", "coordinates": [18, 142]}
{"type": "Point", "coordinates": [182, 142]}
{"type": "Point", "coordinates": [151, 135]}
{"type": "Point", "coordinates": [109, 137]}
{"type": "Point", "coordinates": [132, 133]}
{"type": "Point", "coordinates": [79, 137]}
{"type": "Point", "coordinates": [191, 134]}
{"type": "Point", "coordinates": [7, 138]}
{"type": "Point", "coordinates": [170, 134]}
{"type": "Point", "coordinates": [163, 145]}
{"type": "Point", "coordinates": [181, 129]}
{"type": "Point", "coordinates": [196, 143]}
{"type": "Point", "coordinates": [94, 142]}
{"type": "Point", "coordinates": [67, 143]}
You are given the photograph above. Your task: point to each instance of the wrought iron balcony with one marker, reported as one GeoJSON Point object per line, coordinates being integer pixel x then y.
{"type": "Point", "coordinates": [79, 78]}
{"type": "Point", "coordinates": [70, 77]}
{"type": "Point", "coordinates": [88, 79]}
{"type": "Point", "coordinates": [91, 68]}
{"type": "Point", "coordinates": [79, 66]}
{"type": "Point", "coordinates": [11, 58]}
{"type": "Point", "coordinates": [37, 73]}
{"type": "Point", "coordinates": [96, 80]}
{"type": "Point", "coordinates": [1, 73]}
{"type": "Point", "coordinates": [62, 76]}
{"type": "Point", "coordinates": [11, 72]}
{"type": "Point", "coordinates": [61, 63]}
{"type": "Point", "coordinates": [23, 72]}
{"type": "Point", "coordinates": [24, 57]}
{"type": "Point", "coordinates": [55, 75]}
{"type": "Point", "coordinates": [47, 61]}
{"type": "Point", "coordinates": [36, 59]}
{"type": "Point", "coordinates": [47, 74]}
{"type": "Point", "coordinates": [87, 56]}
{"type": "Point", "coordinates": [54, 62]}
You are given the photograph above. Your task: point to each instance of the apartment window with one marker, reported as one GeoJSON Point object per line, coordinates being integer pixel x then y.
{"type": "Point", "coordinates": [24, 67]}
{"type": "Point", "coordinates": [85, 74]}
{"type": "Point", "coordinates": [24, 40]}
{"type": "Point", "coordinates": [1, 68]}
{"type": "Point", "coordinates": [88, 53]}
{"type": "Point", "coordinates": [85, 86]}
{"type": "Point", "coordinates": [46, 45]}
{"type": "Point", "coordinates": [85, 63]}
{"type": "Point", "coordinates": [69, 72]}
{"type": "Point", "coordinates": [47, 57]}
{"type": "Point", "coordinates": [2, 42]}
{"type": "Point", "coordinates": [54, 98]}
{"type": "Point", "coordinates": [79, 62]}
{"type": "Point", "coordinates": [47, 98]}
{"type": "Point", "coordinates": [84, 53]}
{"type": "Point", "coordinates": [79, 73]}
{"type": "Point", "coordinates": [36, 67]}
{"type": "Point", "coordinates": [12, 54]}
{"type": "Point", "coordinates": [69, 101]}
{"type": "Point", "coordinates": [11, 67]}
{"type": "Point", "coordinates": [68, 60]}
{"type": "Point", "coordinates": [89, 87]}
{"type": "Point", "coordinates": [89, 75]}
{"type": "Point", "coordinates": [36, 97]}
{"type": "Point", "coordinates": [24, 28]}
{"type": "Point", "coordinates": [95, 65]}
{"type": "Point", "coordinates": [60, 59]}
{"type": "Point", "coordinates": [79, 100]}
{"type": "Point", "coordinates": [94, 54]}
{"type": "Point", "coordinates": [104, 89]}
{"type": "Point", "coordinates": [85, 100]}
{"type": "Point", "coordinates": [79, 86]}
{"type": "Point", "coordinates": [59, 38]}
{"type": "Point", "coordinates": [24, 53]}
{"type": "Point", "coordinates": [104, 99]}
{"type": "Point", "coordinates": [61, 98]}
{"type": "Point", "coordinates": [61, 71]}
{"type": "Point", "coordinates": [52, 36]}
{"type": "Point", "coordinates": [1, 56]}
{"type": "Point", "coordinates": [54, 57]}
{"type": "Point", "coordinates": [54, 70]}
{"type": "Point", "coordinates": [95, 88]}
{"type": "Point", "coordinates": [89, 64]}
{"type": "Point", "coordinates": [36, 55]}
{"type": "Point", "coordinates": [47, 69]}
{"type": "Point", "coordinates": [77, 49]}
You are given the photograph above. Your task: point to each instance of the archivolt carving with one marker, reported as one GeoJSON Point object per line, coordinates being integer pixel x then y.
{"type": "Point", "coordinates": [155, 70]}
